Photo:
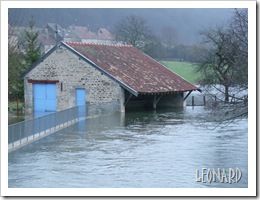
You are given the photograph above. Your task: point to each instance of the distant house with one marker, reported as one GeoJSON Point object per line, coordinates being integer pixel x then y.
{"type": "Point", "coordinates": [83, 34]}
{"type": "Point", "coordinates": [50, 35]}
{"type": "Point", "coordinates": [119, 76]}
{"type": "Point", "coordinates": [53, 33]}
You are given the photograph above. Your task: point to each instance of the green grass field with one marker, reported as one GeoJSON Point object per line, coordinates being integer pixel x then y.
{"type": "Point", "coordinates": [184, 69]}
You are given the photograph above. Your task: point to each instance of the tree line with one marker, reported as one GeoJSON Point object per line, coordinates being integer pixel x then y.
{"type": "Point", "coordinates": [163, 46]}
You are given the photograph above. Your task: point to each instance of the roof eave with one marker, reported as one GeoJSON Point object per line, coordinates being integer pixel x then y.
{"type": "Point", "coordinates": [168, 92]}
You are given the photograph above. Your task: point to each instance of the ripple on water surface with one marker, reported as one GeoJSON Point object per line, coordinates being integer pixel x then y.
{"type": "Point", "coordinates": [142, 149]}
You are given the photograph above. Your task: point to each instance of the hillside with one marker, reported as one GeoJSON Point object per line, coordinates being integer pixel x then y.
{"type": "Point", "coordinates": [185, 69]}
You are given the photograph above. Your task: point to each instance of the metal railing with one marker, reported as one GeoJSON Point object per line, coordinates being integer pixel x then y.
{"type": "Point", "coordinates": [27, 131]}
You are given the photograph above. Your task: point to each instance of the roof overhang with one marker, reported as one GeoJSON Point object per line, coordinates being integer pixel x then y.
{"type": "Point", "coordinates": [168, 92]}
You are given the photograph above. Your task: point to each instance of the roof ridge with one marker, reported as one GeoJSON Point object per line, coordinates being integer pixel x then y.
{"type": "Point", "coordinates": [98, 44]}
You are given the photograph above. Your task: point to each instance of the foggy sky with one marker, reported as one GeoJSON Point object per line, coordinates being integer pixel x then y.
{"type": "Point", "coordinates": [187, 22]}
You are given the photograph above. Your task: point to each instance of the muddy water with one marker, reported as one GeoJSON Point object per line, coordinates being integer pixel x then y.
{"type": "Point", "coordinates": [139, 149]}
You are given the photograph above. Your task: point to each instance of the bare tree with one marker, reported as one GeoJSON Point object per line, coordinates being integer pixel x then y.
{"type": "Point", "coordinates": [169, 36]}
{"type": "Point", "coordinates": [219, 64]}
{"type": "Point", "coordinates": [132, 30]}
{"type": "Point", "coordinates": [239, 31]}
{"type": "Point", "coordinates": [226, 63]}
{"type": "Point", "coordinates": [240, 27]}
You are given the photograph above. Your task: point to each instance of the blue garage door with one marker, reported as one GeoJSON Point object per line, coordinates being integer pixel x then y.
{"type": "Point", "coordinates": [44, 98]}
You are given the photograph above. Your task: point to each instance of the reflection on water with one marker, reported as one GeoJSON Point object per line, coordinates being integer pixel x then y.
{"type": "Point", "coordinates": [138, 149]}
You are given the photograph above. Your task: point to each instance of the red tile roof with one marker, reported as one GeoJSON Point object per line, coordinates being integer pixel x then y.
{"type": "Point", "coordinates": [132, 67]}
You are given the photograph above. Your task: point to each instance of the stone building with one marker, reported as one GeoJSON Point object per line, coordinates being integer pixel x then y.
{"type": "Point", "coordinates": [118, 76]}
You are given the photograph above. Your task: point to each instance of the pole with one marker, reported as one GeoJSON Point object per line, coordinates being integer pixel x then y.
{"type": "Point", "coordinates": [154, 102]}
{"type": "Point", "coordinates": [17, 105]}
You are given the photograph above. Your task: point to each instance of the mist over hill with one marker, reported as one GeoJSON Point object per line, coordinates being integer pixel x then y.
{"type": "Point", "coordinates": [187, 22]}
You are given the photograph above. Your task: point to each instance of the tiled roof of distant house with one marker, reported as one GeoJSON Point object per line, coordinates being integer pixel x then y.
{"type": "Point", "coordinates": [84, 33]}
{"type": "Point", "coordinates": [104, 34]}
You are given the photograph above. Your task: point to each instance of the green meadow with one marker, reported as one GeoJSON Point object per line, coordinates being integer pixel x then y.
{"type": "Point", "coordinates": [184, 69]}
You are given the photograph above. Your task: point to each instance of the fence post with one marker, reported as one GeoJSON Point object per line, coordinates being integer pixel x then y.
{"type": "Point", "coordinates": [20, 134]}
{"type": "Point", "coordinates": [204, 100]}
{"type": "Point", "coordinates": [245, 100]}
{"type": "Point", "coordinates": [35, 127]}
{"type": "Point", "coordinates": [27, 130]}
{"type": "Point", "coordinates": [13, 138]}
{"type": "Point", "coordinates": [192, 101]}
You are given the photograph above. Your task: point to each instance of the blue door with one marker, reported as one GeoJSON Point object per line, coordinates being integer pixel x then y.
{"type": "Point", "coordinates": [50, 97]}
{"type": "Point", "coordinates": [80, 97]}
{"type": "Point", "coordinates": [81, 103]}
{"type": "Point", "coordinates": [44, 98]}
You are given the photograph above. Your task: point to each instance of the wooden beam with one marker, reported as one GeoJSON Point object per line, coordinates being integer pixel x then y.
{"type": "Point", "coordinates": [187, 95]}
{"type": "Point", "coordinates": [159, 98]}
{"type": "Point", "coordinates": [128, 98]}
{"type": "Point", "coordinates": [42, 81]}
{"type": "Point", "coordinates": [156, 101]}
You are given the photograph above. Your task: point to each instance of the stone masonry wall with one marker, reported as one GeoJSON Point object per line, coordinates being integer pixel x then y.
{"type": "Point", "coordinates": [72, 72]}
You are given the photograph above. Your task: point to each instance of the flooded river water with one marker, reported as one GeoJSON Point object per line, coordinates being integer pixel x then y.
{"type": "Point", "coordinates": [142, 149]}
